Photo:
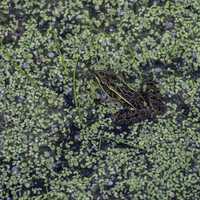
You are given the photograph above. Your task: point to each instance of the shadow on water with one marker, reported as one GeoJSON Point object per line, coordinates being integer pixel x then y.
{"type": "Point", "coordinates": [161, 69]}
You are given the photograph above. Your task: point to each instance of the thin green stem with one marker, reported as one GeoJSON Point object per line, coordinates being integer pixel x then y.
{"type": "Point", "coordinates": [74, 86]}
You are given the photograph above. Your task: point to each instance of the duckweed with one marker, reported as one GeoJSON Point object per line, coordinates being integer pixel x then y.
{"type": "Point", "coordinates": [57, 141]}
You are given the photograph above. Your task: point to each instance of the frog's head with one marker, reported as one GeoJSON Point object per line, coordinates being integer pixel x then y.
{"type": "Point", "coordinates": [104, 78]}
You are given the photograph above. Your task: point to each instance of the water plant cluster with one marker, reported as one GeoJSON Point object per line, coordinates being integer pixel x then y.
{"type": "Point", "coordinates": [56, 140]}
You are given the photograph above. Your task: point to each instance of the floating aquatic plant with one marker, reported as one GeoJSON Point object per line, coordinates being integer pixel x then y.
{"type": "Point", "coordinates": [56, 141]}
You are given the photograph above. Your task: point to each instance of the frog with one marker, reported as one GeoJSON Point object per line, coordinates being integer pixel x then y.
{"type": "Point", "coordinates": [145, 103]}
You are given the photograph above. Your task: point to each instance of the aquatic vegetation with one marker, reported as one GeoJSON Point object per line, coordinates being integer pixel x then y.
{"type": "Point", "coordinates": [56, 140]}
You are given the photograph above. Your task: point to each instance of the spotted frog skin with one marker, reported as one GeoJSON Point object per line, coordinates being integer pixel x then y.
{"type": "Point", "coordinates": [144, 104]}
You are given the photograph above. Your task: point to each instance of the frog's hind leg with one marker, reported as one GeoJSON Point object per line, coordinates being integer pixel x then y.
{"type": "Point", "coordinates": [128, 117]}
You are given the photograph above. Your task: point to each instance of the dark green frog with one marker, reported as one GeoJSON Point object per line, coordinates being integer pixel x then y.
{"type": "Point", "coordinates": [146, 103]}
